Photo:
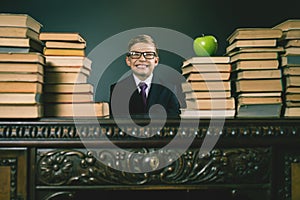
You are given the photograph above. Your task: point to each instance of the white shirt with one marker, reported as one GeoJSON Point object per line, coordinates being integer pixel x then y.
{"type": "Point", "coordinates": [147, 81]}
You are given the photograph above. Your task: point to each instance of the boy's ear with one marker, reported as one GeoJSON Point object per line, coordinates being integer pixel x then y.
{"type": "Point", "coordinates": [127, 61]}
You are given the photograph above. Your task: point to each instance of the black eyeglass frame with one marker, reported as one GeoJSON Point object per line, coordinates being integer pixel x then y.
{"type": "Point", "coordinates": [130, 54]}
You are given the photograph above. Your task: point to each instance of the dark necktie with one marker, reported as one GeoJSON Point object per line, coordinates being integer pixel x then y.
{"type": "Point", "coordinates": [143, 87]}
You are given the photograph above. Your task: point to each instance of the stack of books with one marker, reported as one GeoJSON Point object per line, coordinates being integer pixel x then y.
{"type": "Point", "coordinates": [67, 92]}
{"type": "Point", "coordinates": [290, 64]}
{"type": "Point", "coordinates": [256, 71]}
{"type": "Point", "coordinates": [207, 88]}
{"type": "Point", "coordinates": [21, 67]}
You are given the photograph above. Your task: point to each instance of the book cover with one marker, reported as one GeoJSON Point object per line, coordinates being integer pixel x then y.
{"type": "Point", "coordinates": [206, 86]}
{"type": "Point", "coordinates": [61, 36]}
{"type": "Point", "coordinates": [206, 60]}
{"type": "Point", "coordinates": [290, 60]}
{"type": "Point", "coordinates": [64, 52]}
{"type": "Point", "coordinates": [8, 87]}
{"type": "Point", "coordinates": [23, 57]}
{"type": "Point", "coordinates": [20, 98]}
{"type": "Point", "coordinates": [251, 43]}
{"type": "Point", "coordinates": [69, 88]}
{"type": "Point", "coordinates": [64, 77]}
{"type": "Point", "coordinates": [206, 68]}
{"type": "Point", "coordinates": [18, 32]}
{"type": "Point", "coordinates": [9, 67]}
{"type": "Point", "coordinates": [211, 104]}
{"type": "Point", "coordinates": [65, 45]}
{"type": "Point", "coordinates": [259, 111]}
{"type": "Point", "coordinates": [254, 33]}
{"type": "Point", "coordinates": [68, 61]}
{"type": "Point", "coordinates": [255, 64]}
{"type": "Point", "coordinates": [20, 20]}
{"type": "Point", "coordinates": [191, 113]}
{"type": "Point", "coordinates": [259, 85]}
{"type": "Point", "coordinates": [21, 111]}
{"type": "Point", "coordinates": [288, 25]}
{"type": "Point", "coordinates": [92, 109]}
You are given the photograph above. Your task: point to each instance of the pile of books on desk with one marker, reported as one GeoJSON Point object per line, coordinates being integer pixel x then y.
{"type": "Point", "coordinates": [21, 67]}
{"type": "Point", "coordinates": [207, 88]}
{"type": "Point", "coordinates": [256, 72]}
{"type": "Point", "coordinates": [290, 64]}
{"type": "Point", "coordinates": [67, 92]}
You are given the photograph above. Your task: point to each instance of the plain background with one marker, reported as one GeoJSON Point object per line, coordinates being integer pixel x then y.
{"type": "Point", "coordinates": [97, 20]}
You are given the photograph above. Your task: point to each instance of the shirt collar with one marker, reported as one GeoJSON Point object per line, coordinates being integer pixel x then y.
{"type": "Point", "coordinates": [147, 81]}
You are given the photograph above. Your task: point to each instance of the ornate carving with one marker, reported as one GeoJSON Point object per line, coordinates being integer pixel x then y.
{"type": "Point", "coordinates": [83, 167]}
{"type": "Point", "coordinates": [12, 163]}
{"type": "Point", "coordinates": [68, 130]}
{"type": "Point", "coordinates": [285, 192]}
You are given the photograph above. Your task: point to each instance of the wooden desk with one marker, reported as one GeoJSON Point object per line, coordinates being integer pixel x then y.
{"type": "Point", "coordinates": [49, 159]}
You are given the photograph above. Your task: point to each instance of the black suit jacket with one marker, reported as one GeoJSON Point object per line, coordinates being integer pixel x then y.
{"type": "Point", "coordinates": [126, 100]}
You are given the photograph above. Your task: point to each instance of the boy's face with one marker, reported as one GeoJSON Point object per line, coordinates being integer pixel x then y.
{"type": "Point", "coordinates": [141, 66]}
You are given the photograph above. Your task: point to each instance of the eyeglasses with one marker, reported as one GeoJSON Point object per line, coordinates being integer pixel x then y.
{"type": "Point", "coordinates": [137, 55]}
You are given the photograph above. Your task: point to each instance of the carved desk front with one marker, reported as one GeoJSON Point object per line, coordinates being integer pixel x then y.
{"type": "Point", "coordinates": [68, 159]}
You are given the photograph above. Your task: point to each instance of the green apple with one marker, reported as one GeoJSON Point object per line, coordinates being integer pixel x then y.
{"type": "Point", "coordinates": [205, 45]}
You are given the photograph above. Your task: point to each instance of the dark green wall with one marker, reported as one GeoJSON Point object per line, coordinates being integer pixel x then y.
{"type": "Point", "coordinates": [97, 20]}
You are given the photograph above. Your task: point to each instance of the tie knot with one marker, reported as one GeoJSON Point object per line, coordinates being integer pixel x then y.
{"type": "Point", "coordinates": [143, 86]}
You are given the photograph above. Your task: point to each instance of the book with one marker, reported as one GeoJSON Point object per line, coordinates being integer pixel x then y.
{"type": "Point", "coordinates": [292, 80]}
{"type": "Point", "coordinates": [21, 111]}
{"type": "Point", "coordinates": [19, 50]}
{"type": "Point", "coordinates": [207, 94]}
{"type": "Point", "coordinates": [254, 56]}
{"type": "Point", "coordinates": [292, 43]}
{"type": "Point", "coordinates": [259, 74]}
{"type": "Point", "coordinates": [206, 60]}
{"type": "Point", "coordinates": [61, 36]}
{"type": "Point", "coordinates": [64, 52]}
{"type": "Point", "coordinates": [258, 100]}
{"type": "Point", "coordinates": [211, 104]}
{"type": "Point", "coordinates": [278, 49]}
{"type": "Point", "coordinates": [251, 43]}
{"type": "Point", "coordinates": [289, 51]}
{"type": "Point", "coordinates": [259, 85]}
{"type": "Point", "coordinates": [292, 103]}
{"type": "Point", "coordinates": [259, 110]}
{"type": "Point", "coordinates": [18, 32]}
{"type": "Point", "coordinates": [292, 112]}
{"type": "Point", "coordinates": [255, 64]}
{"type": "Point", "coordinates": [92, 109]}
{"type": "Point", "coordinates": [21, 42]}
{"type": "Point", "coordinates": [20, 20]}
{"type": "Point", "coordinates": [206, 86]}
{"type": "Point", "coordinates": [287, 70]}
{"type": "Point", "coordinates": [20, 98]}
{"type": "Point", "coordinates": [292, 89]}
{"type": "Point", "coordinates": [291, 34]}
{"type": "Point", "coordinates": [288, 25]}
{"type": "Point", "coordinates": [67, 98]}
{"type": "Point", "coordinates": [209, 76]}
{"type": "Point", "coordinates": [292, 97]}
{"type": "Point", "coordinates": [65, 45]}
{"type": "Point", "coordinates": [22, 57]}
{"type": "Point", "coordinates": [191, 113]}
{"type": "Point", "coordinates": [69, 88]}
{"type": "Point", "coordinates": [254, 33]}
{"type": "Point", "coordinates": [68, 61]}
{"type": "Point", "coordinates": [8, 87]}
{"type": "Point", "coordinates": [9, 67]}
{"type": "Point", "coordinates": [65, 77]}
{"type": "Point", "coordinates": [21, 77]}
{"type": "Point", "coordinates": [73, 69]}
{"type": "Point", "coordinates": [290, 60]}
{"type": "Point", "coordinates": [206, 68]}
